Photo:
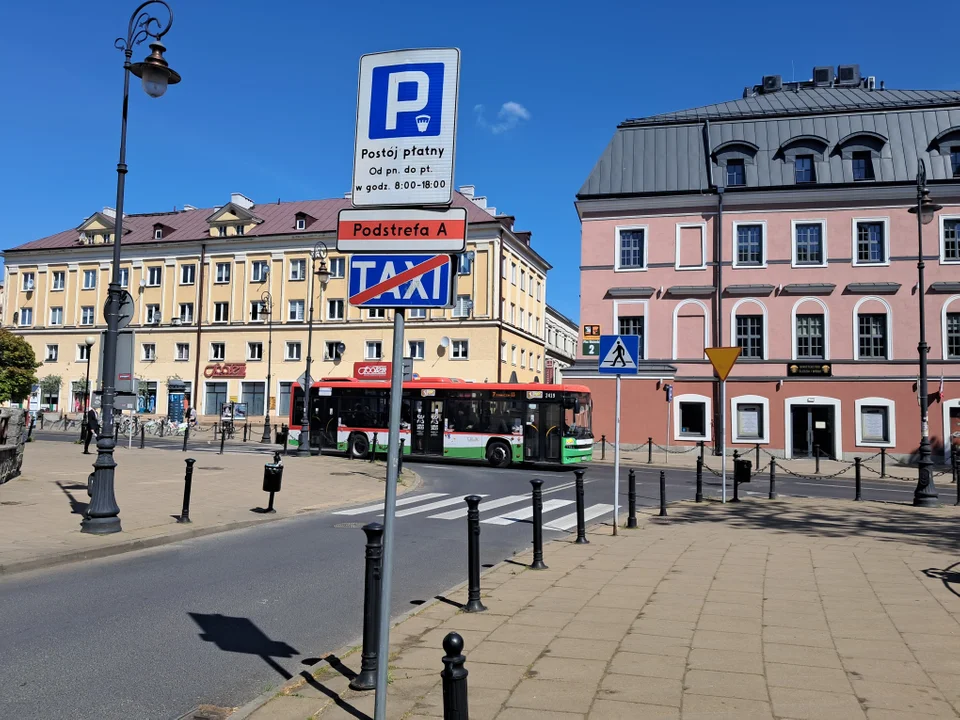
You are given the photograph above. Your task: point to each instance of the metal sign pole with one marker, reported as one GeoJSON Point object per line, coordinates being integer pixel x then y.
{"type": "Point", "coordinates": [389, 514]}
{"type": "Point", "coordinates": [723, 440]}
{"type": "Point", "coordinates": [666, 453]}
{"type": "Point", "coordinates": [616, 463]}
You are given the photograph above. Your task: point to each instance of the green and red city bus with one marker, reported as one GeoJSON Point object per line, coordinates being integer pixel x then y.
{"type": "Point", "coordinates": [444, 417]}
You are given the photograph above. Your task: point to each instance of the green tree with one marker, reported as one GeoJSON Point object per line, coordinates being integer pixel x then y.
{"type": "Point", "coordinates": [18, 365]}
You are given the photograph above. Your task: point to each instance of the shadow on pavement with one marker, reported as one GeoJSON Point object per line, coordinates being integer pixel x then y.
{"type": "Point", "coordinates": [77, 507]}
{"type": "Point", "coordinates": [950, 577]}
{"type": "Point", "coordinates": [338, 701]}
{"type": "Point", "coordinates": [240, 635]}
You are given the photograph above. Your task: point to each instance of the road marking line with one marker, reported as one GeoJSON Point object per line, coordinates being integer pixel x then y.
{"type": "Point", "coordinates": [431, 506]}
{"type": "Point", "coordinates": [379, 505]}
{"type": "Point", "coordinates": [570, 521]}
{"type": "Point", "coordinates": [525, 513]}
{"type": "Point", "coordinates": [499, 502]}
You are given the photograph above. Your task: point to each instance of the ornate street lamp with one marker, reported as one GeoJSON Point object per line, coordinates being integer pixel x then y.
{"type": "Point", "coordinates": [925, 494]}
{"type": "Point", "coordinates": [304, 448]}
{"type": "Point", "coordinates": [266, 307]}
{"type": "Point", "coordinates": [103, 514]}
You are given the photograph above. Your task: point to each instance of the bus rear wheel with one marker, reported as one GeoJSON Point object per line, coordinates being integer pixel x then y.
{"type": "Point", "coordinates": [498, 454]}
{"type": "Point", "coordinates": [359, 446]}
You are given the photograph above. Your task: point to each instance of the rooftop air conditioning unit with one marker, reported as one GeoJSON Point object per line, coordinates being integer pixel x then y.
{"type": "Point", "coordinates": [848, 75]}
{"type": "Point", "coordinates": [772, 83]}
{"type": "Point", "coordinates": [823, 76]}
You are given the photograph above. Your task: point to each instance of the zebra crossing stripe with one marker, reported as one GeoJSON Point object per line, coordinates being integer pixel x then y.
{"type": "Point", "coordinates": [379, 505]}
{"type": "Point", "coordinates": [499, 502]}
{"type": "Point", "coordinates": [525, 513]}
{"type": "Point", "coordinates": [570, 521]}
{"type": "Point", "coordinates": [431, 506]}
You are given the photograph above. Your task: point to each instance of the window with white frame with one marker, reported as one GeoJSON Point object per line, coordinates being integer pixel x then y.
{"type": "Point", "coordinates": [183, 351]}
{"type": "Point", "coordinates": [632, 325]}
{"type": "Point", "coordinates": [188, 274]}
{"type": "Point", "coordinates": [691, 253]}
{"type": "Point", "coordinates": [417, 314]}
{"type": "Point", "coordinates": [523, 358]}
{"type": "Point", "coordinates": [464, 263]}
{"type": "Point", "coordinates": [301, 223]}
{"type": "Point", "coordinates": [749, 420]}
{"type": "Point", "coordinates": [28, 282]}
{"type": "Point", "coordinates": [292, 350]}
{"type": "Point", "coordinates": [154, 275]}
{"type": "Point", "coordinates": [539, 291]}
{"type": "Point", "coordinates": [331, 350]}
{"type": "Point", "coordinates": [749, 335]}
{"type": "Point", "coordinates": [417, 349]}
{"type": "Point", "coordinates": [218, 351]}
{"type": "Point", "coordinates": [338, 267]}
{"type": "Point", "coordinates": [335, 309]}
{"type": "Point", "coordinates": [86, 315]}
{"type": "Point", "coordinates": [949, 240]}
{"type": "Point", "coordinates": [221, 312]}
{"type": "Point", "coordinates": [83, 352]}
{"type": "Point", "coordinates": [158, 233]}
{"type": "Point", "coordinates": [186, 313]}
{"type": "Point", "coordinates": [89, 279]}
{"type": "Point", "coordinates": [241, 229]}
{"type": "Point", "coordinates": [259, 271]}
{"type": "Point", "coordinates": [874, 425]}
{"type": "Point", "coordinates": [56, 316]}
{"type": "Point", "coordinates": [539, 364]}
{"type": "Point", "coordinates": [691, 417]}
{"type": "Point", "coordinates": [373, 350]}
{"type": "Point", "coordinates": [148, 351]}
{"type": "Point", "coordinates": [631, 249]}
{"type": "Point", "coordinates": [808, 244]}
{"type": "Point", "coordinates": [258, 312]}
{"type": "Point", "coordinates": [530, 286]}
{"type": "Point", "coordinates": [503, 352]}
{"type": "Point", "coordinates": [298, 269]}
{"type": "Point", "coordinates": [53, 353]}
{"type": "Point", "coordinates": [221, 230]}
{"type": "Point", "coordinates": [513, 354]}
{"type": "Point", "coordinates": [811, 331]}
{"type": "Point", "coordinates": [124, 277]}
{"type": "Point", "coordinates": [523, 281]}
{"type": "Point", "coordinates": [513, 273]}
{"type": "Point", "coordinates": [513, 314]}
{"type": "Point", "coordinates": [223, 273]}
{"type": "Point", "coordinates": [59, 280]}
{"type": "Point", "coordinates": [153, 314]}
{"type": "Point", "coordinates": [377, 313]}
{"type": "Point", "coordinates": [254, 351]}
{"type": "Point", "coordinates": [750, 245]}
{"type": "Point", "coordinates": [503, 268]}
{"type": "Point", "coordinates": [870, 242]}
{"type": "Point", "coordinates": [295, 310]}
{"type": "Point", "coordinates": [462, 307]}
{"type": "Point", "coordinates": [872, 335]}
{"type": "Point", "coordinates": [952, 331]}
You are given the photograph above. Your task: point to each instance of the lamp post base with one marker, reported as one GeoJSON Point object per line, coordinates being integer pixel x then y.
{"type": "Point", "coordinates": [925, 494]}
{"type": "Point", "coordinates": [100, 525]}
{"type": "Point", "coordinates": [266, 432]}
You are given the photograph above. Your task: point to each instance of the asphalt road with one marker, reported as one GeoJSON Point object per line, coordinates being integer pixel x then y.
{"type": "Point", "coordinates": [223, 618]}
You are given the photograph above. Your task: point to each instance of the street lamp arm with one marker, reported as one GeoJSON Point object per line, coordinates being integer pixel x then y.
{"type": "Point", "coordinates": [144, 25]}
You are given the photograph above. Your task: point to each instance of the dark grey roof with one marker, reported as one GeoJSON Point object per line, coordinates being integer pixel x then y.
{"type": "Point", "coordinates": [668, 153]}
{"type": "Point", "coordinates": [808, 289]}
{"type": "Point", "coordinates": [748, 290]}
{"type": "Point", "coordinates": [878, 288]}
{"type": "Point", "coordinates": [944, 287]}
{"type": "Point", "coordinates": [690, 290]}
{"type": "Point", "coordinates": [630, 292]}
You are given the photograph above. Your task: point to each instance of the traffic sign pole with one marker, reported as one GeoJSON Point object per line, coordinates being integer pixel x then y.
{"type": "Point", "coordinates": [616, 463]}
{"type": "Point", "coordinates": [723, 440]}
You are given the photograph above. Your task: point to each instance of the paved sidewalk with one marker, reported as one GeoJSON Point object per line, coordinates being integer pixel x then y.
{"type": "Point", "coordinates": [40, 511]}
{"type": "Point", "coordinates": [801, 609]}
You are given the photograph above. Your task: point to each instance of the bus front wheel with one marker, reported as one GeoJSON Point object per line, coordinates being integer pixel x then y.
{"type": "Point", "coordinates": [359, 446]}
{"type": "Point", "coordinates": [498, 454]}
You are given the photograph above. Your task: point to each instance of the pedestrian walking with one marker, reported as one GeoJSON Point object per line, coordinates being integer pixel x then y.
{"type": "Point", "coordinates": [192, 417]}
{"type": "Point", "coordinates": [93, 427]}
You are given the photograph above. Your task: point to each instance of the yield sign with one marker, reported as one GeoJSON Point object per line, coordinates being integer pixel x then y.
{"type": "Point", "coordinates": [723, 359]}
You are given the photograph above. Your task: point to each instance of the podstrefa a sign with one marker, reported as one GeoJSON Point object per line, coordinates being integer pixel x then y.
{"type": "Point", "coordinates": [406, 128]}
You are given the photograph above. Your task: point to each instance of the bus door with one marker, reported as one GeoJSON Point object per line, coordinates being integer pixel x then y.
{"type": "Point", "coordinates": [532, 434]}
{"type": "Point", "coordinates": [551, 428]}
{"type": "Point", "coordinates": [427, 431]}
{"type": "Point", "coordinates": [324, 419]}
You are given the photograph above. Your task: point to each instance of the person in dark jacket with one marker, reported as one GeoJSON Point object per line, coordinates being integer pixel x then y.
{"type": "Point", "coordinates": [93, 428]}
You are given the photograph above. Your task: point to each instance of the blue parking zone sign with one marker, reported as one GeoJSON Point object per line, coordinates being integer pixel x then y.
{"type": "Point", "coordinates": [619, 355]}
{"type": "Point", "coordinates": [406, 100]}
{"type": "Point", "coordinates": [401, 281]}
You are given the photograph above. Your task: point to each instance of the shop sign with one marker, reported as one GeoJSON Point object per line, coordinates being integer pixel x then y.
{"type": "Point", "coordinates": [372, 370]}
{"type": "Point", "coordinates": [809, 369]}
{"type": "Point", "coordinates": [225, 370]}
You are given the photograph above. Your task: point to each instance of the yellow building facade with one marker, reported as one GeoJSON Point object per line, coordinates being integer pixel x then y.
{"type": "Point", "coordinates": [201, 279]}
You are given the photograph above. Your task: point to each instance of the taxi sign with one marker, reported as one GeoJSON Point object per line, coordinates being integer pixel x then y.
{"type": "Point", "coordinates": [723, 359]}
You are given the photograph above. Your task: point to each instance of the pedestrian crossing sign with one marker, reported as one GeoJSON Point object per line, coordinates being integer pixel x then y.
{"type": "Point", "coordinates": [619, 354]}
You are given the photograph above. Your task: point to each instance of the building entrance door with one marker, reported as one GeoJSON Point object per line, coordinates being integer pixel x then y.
{"type": "Point", "coordinates": [813, 425]}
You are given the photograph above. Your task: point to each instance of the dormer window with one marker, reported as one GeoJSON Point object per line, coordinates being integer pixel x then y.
{"type": "Point", "coordinates": [301, 223]}
{"type": "Point", "coordinates": [733, 158]}
{"type": "Point", "coordinates": [158, 232]}
{"type": "Point", "coordinates": [222, 231]}
{"type": "Point", "coordinates": [862, 166]}
{"type": "Point", "coordinates": [735, 174]}
{"type": "Point", "coordinates": [803, 169]}
{"type": "Point", "coordinates": [955, 160]}
{"type": "Point", "coordinates": [863, 151]}
{"type": "Point", "coordinates": [239, 229]}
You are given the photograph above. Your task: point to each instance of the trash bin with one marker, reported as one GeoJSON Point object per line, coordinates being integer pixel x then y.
{"type": "Point", "coordinates": [272, 477]}
{"type": "Point", "coordinates": [741, 471]}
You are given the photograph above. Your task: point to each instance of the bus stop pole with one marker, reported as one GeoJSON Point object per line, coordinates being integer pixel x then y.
{"type": "Point", "coordinates": [616, 462]}
{"type": "Point", "coordinates": [389, 514]}
{"type": "Point", "coordinates": [723, 440]}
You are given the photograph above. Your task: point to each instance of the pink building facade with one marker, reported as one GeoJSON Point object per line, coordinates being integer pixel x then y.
{"type": "Point", "coordinates": [802, 194]}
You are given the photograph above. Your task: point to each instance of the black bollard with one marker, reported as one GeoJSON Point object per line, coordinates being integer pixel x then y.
{"type": "Point", "coordinates": [373, 448]}
{"type": "Point", "coordinates": [162, 425]}
{"type": "Point", "coordinates": [367, 677]}
{"type": "Point", "coordinates": [956, 471]}
{"type": "Point", "coordinates": [816, 458]}
{"type": "Point", "coordinates": [649, 450]}
{"type": "Point", "coordinates": [473, 555]}
{"type": "Point", "coordinates": [758, 456]}
{"type": "Point", "coordinates": [186, 436]}
{"type": "Point", "coordinates": [400, 457]}
{"type": "Point", "coordinates": [736, 485]}
{"type": "Point", "coordinates": [663, 494]}
{"type": "Point", "coordinates": [116, 431]}
{"type": "Point", "coordinates": [537, 525]}
{"type": "Point", "coordinates": [143, 431]}
{"type": "Point", "coordinates": [581, 523]}
{"type": "Point", "coordinates": [699, 496]}
{"type": "Point", "coordinates": [603, 447]}
{"type": "Point", "coordinates": [187, 487]}
{"type": "Point", "coordinates": [883, 462]}
{"type": "Point", "coordinates": [246, 427]}
{"type": "Point", "coordinates": [856, 462]}
{"type": "Point", "coordinates": [631, 499]}
{"type": "Point", "coordinates": [30, 428]}
{"type": "Point", "coordinates": [454, 677]}
{"type": "Point", "coordinates": [223, 439]}
{"type": "Point", "coordinates": [773, 479]}
{"type": "Point", "coordinates": [700, 443]}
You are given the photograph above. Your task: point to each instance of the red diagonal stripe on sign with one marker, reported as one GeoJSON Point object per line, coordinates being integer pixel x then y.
{"type": "Point", "coordinates": [399, 279]}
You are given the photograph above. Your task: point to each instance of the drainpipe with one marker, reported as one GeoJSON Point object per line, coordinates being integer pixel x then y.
{"type": "Point", "coordinates": [718, 429]}
{"type": "Point", "coordinates": [196, 365]}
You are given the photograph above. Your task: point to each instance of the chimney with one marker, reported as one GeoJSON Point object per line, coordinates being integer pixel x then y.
{"type": "Point", "coordinates": [468, 191]}
{"type": "Point", "coordinates": [348, 195]}
{"type": "Point", "coordinates": [492, 211]}
{"type": "Point", "coordinates": [110, 212]}
{"type": "Point", "coordinates": [480, 202]}
{"type": "Point", "coordinates": [241, 200]}
{"type": "Point", "coordinates": [188, 207]}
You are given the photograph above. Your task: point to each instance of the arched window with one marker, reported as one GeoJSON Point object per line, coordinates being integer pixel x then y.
{"type": "Point", "coordinates": [736, 160]}
{"type": "Point", "coordinates": [748, 328]}
{"type": "Point", "coordinates": [689, 330]}
{"type": "Point", "coordinates": [950, 328]}
{"type": "Point", "coordinates": [872, 329]}
{"type": "Point", "coordinates": [811, 329]}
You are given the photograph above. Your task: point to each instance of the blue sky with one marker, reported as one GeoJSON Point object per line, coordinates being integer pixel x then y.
{"type": "Point", "coordinates": [267, 102]}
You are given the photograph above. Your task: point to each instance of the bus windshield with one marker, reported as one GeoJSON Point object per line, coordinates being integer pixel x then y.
{"type": "Point", "coordinates": [577, 416]}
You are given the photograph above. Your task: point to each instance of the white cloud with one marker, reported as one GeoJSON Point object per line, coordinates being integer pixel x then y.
{"type": "Point", "coordinates": [510, 115]}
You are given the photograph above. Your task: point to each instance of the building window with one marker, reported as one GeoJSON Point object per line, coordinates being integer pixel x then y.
{"type": "Point", "coordinates": [513, 273]}
{"type": "Point", "coordinates": [254, 351]}
{"type": "Point", "coordinates": [631, 249]}
{"type": "Point", "coordinates": [222, 230]}
{"type": "Point", "coordinates": [417, 348]}
{"type": "Point", "coordinates": [872, 335]}
{"type": "Point", "coordinates": [462, 308]}
{"type": "Point", "coordinates": [464, 263]}
{"type": "Point", "coordinates": [258, 313]}
{"type": "Point", "coordinates": [259, 271]}
{"type": "Point", "coordinates": [875, 423]}
{"type": "Point", "coordinates": [56, 316]}
{"type": "Point", "coordinates": [373, 350]}
{"type": "Point", "coordinates": [240, 230]}
{"type": "Point", "coordinates": [871, 247]}
{"type": "Point", "coordinates": [283, 399]}
{"type": "Point", "coordinates": [631, 326]}
{"type": "Point", "coordinates": [332, 351]}
{"type": "Point", "coordinates": [59, 279]}
{"type": "Point", "coordinates": [124, 277]}
{"type": "Point", "coordinates": [252, 393]}
{"type": "Point", "coordinates": [153, 276]}
{"type": "Point", "coordinates": [337, 267]}
{"type": "Point", "coordinates": [223, 272]}
{"type": "Point", "coordinates": [955, 160]}
{"type": "Point", "coordinates": [503, 352]}
{"type": "Point", "coordinates": [417, 314]}
{"type": "Point", "coordinates": [28, 281]}
{"type": "Point", "coordinates": [749, 418]}
{"type": "Point", "coordinates": [461, 350]}
{"type": "Point", "coordinates": [293, 351]}
{"type": "Point", "coordinates": [803, 169]}
{"type": "Point", "coordinates": [377, 313]}
{"type": "Point", "coordinates": [750, 335]}
{"type": "Point", "coordinates": [221, 312]}
{"type": "Point", "coordinates": [158, 233]}
{"type": "Point", "coordinates": [862, 166]}
{"type": "Point", "coordinates": [295, 310]}
{"type": "Point", "coordinates": [750, 245]}
{"type": "Point", "coordinates": [83, 352]}
{"type": "Point", "coordinates": [693, 419]}
{"type": "Point", "coordinates": [218, 351]}
{"type": "Point", "coordinates": [539, 291]}
{"type": "Point", "coordinates": [89, 280]}
{"type": "Point", "coordinates": [186, 313]}
{"type": "Point", "coordinates": [183, 351]}
{"type": "Point", "coordinates": [301, 223]}
{"type": "Point", "coordinates": [953, 335]}
{"type": "Point", "coordinates": [334, 309]}
{"type": "Point", "coordinates": [513, 354]}
{"type": "Point", "coordinates": [808, 244]}
{"type": "Point", "coordinates": [810, 331]}
{"type": "Point", "coordinates": [951, 241]}
{"type": "Point", "coordinates": [513, 314]}
{"type": "Point", "coordinates": [735, 174]}
{"type": "Point", "coordinates": [523, 357]}
{"type": "Point", "coordinates": [148, 351]}
{"type": "Point", "coordinates": [188, 274]}
{"type": "Point", "coordinates": [298, 269]}
{"type": "Point", "coordinates": [539, 364]}
{"type": "Point", "coordinates": [86, 315]}
{"type": "Point", "coordinates": [153, 314]}
{"type": "Point", "coordinates": [523, 281]}
{"type": "Point", "coordinates": [216, 398]}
